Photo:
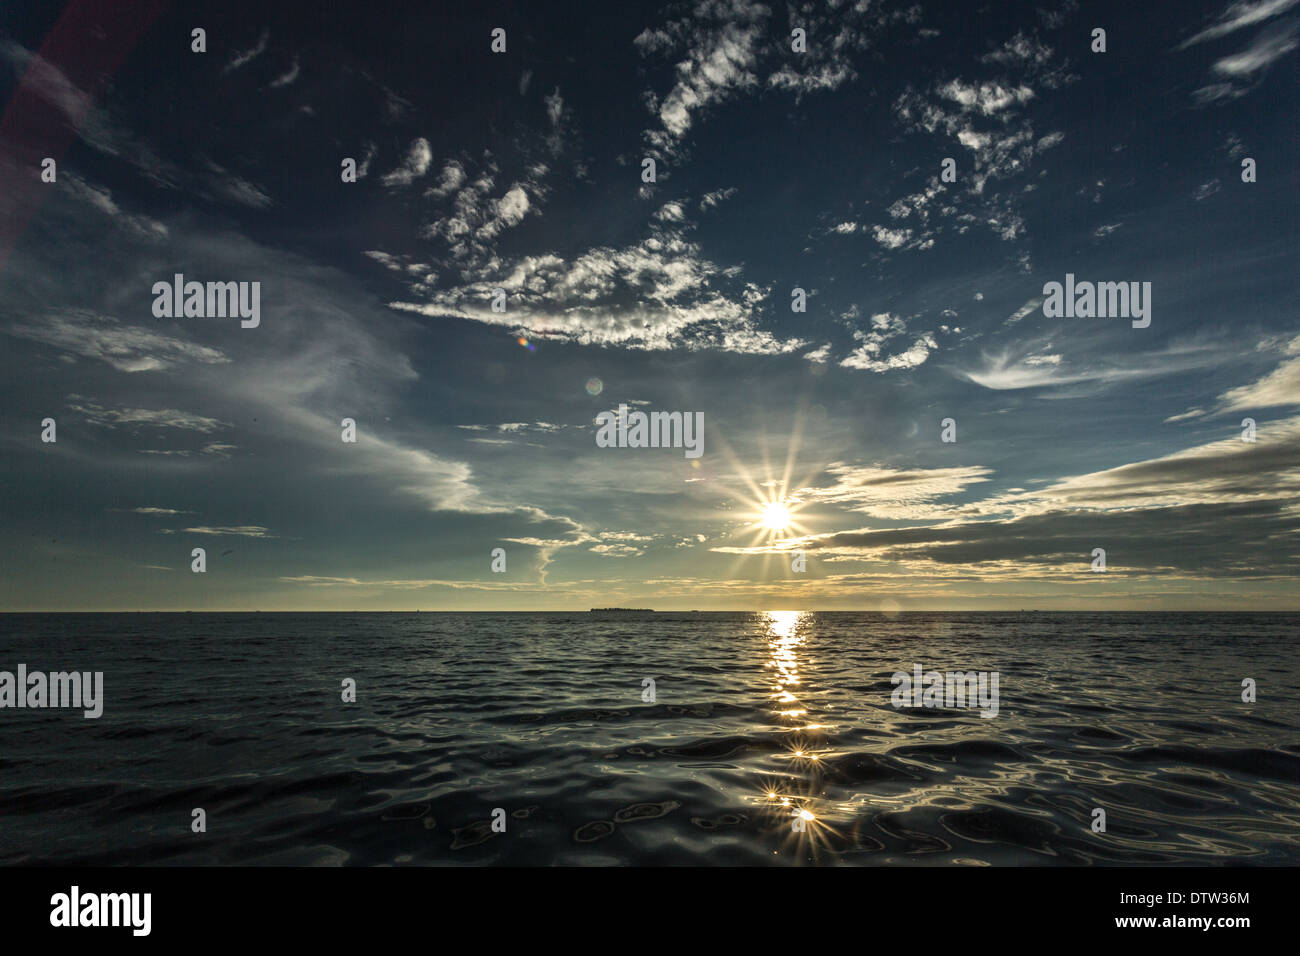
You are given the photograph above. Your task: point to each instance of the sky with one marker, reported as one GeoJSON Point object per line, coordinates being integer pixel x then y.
{"type": "Point", "coordinates": [824, 480]}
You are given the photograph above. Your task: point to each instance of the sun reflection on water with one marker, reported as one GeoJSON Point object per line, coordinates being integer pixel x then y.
{"type": "Point", "coordinates": [790, 800]}
{"type": "Point", "coordinates": [784, 639]}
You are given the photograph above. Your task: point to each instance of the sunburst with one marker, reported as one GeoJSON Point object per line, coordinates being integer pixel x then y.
{"type": "Point", "coordinates": [776, 516]}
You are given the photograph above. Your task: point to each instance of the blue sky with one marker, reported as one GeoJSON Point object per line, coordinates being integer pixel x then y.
{"type": "Point", "coordinates": [775, 170]}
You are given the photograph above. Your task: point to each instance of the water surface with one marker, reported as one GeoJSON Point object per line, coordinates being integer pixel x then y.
{"type": "Point", "coordinates": [756, 717]}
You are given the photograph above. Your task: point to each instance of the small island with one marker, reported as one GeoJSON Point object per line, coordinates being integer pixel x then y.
{"type": "Point", "coordinates": [622, 610]}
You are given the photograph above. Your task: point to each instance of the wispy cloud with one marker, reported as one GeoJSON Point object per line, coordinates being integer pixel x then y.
{"type": "Point", "coordinates": [241, 531]}
{"type": "Point", "coordinates": [1235, 16]}
{"type": "Point", "coordinates": [128, 348]}
{"type": "Point", "coordinates": [288, 77]}
{"type": "Point", "coordinates": [96, 414]}
{"type": "Point", "coordinates": [244, 57]}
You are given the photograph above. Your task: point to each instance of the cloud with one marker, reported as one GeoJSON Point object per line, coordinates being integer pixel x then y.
{"type": "Point", "coordinates": [1024, 367]}
{"type": "Point", "coordinates": [891, 493]}
{"type": "Point", "coordinates": [670, 212]}
{"type": "Point", "coordinates": [102, 200]}
{"type": "Point", "coordinates": [986, 99]}
{"type": "Point", "coordinates": [1206, 190]}
{"type": "Point", "coordinates": [982, 117]}
{"type": "Point", "coordinates": [1280, 387]}
{"type": "Point", "coordinates": [717, 197]}
{"type": "Point", "coordinates": [247, 56]}
{"type": "Point", "coordinates": [1021, 49]}
{"type": "Point", "coordinates": [720, 56]}
{"type": "Point", "coordinates": [1218, 91]}
{"type": "Point", "coordinates": [415, 165]}
{"type": "Point", "coordinates": [92, 123]}
{"type": "Point", "coordinates": [510, 211]}
{"type": "Point", "coordinates": [1238, 73]}
{"type": "Point", "coordinates": [476, 219]}
{"type": "Point", "coordinates": [96, 414]}
{"type": "Point", "coordinates": [1225, 509]}
{"type": "Point", "coordinates": [554, 107]}
{"type": "Point", "coordinates": [127, 348]}
{"type": "Point", "coordinates": [1026, 309]}
{"type": "Point", "coordinates": [658, 294]}
{"type": "Point", "coordinates": [867, 356]}
{"type": "Point", "coordinates": [452, 178]}
{"type": "Point", "coordinates": [221, 183]}
{"type": "Point", "coordinates": [1235, 16]}
{"type": "Point", "coordinates": [242, 531]}
{"type": "Point", "coordinates": [891, 238]}
{"type": "Point", "coordinates": [836, 34]}
{"type": "Point", "coordinates": [288, 77]}
{"type": "Point", "coordinates": [870, 353]}
{"type": "Point", "coordinates": [363, 167]}
{"type": "Point", "coordinates": [1269, 46]}
{"type": "Point", "coordinates": [420, 276]}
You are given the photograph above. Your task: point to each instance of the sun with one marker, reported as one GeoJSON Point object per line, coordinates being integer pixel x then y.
{"type": "Point", "coordinates": [775, 516]}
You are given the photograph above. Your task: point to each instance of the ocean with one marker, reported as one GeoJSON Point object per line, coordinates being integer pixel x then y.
{"type": "Point", "coordinates": [765, 739]}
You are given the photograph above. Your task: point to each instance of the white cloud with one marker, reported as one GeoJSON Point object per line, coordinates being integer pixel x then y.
{"type": "Point", "coordinates": [287, 77]}
{"type": "Point", "coordinates": [1267, 47]}
{"type": "Point", "coordinates": [720, 57]}
{"type": "Point", "coordinates": [453, 177]}
{"type": "Point", "coordinates": [658, 294]}
{"type": "Point", "coordinates": [415, 165]}
{"type": "Point", "coordinates": [1242, 13]}
{"type": "Point", "coordinates": [870, 355]}
{"type": "Point", "coordinates": [1023, 311]}
{"type": "Point", "coordinates": [892, 493]}
{"type": "Point", "coordinates": [891, 238]}
{"type": "Point", "coordinates": [96, 414]}
{"type": "Point", "coordinates": [127, 348]}
{"type": "Point", "coordinates": [987, 99]}
{"type": "Point", "coordinates": [1279, 387]}
{"type": "Point", "coordinates": [670, 212]}
{"type": "Point", "coordinates": [712, 199]}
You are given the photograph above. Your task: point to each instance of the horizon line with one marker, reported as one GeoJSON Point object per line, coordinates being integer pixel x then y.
{"type": "Point", "coordinates": [670, 611]}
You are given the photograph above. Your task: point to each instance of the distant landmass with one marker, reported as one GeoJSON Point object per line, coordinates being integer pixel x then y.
{"type": "Point", "coordinates": [622, 610]}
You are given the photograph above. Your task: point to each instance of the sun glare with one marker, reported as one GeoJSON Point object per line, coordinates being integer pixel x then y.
{"type": "Point", "coordinates": [776, 516]}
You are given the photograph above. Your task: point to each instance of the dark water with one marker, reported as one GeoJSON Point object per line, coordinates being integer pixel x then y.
{"type": "Point", "coordinates": [756, 717]}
